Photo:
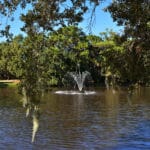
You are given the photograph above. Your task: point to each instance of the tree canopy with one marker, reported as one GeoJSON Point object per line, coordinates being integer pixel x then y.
{"type": "Point", "coordinates": [46, 15]}
{"type": "Point", "coordinates": [135, 17]}
{"type": "Point", "coordinates": [54, 44]}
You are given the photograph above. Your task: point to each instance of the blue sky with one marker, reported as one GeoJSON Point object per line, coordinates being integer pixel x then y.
{"type": "Point", "coordinates": [102, 21]}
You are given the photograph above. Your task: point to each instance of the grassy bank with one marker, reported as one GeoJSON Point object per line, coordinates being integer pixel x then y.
{"type": "Point", "coordinates": [8, 83]}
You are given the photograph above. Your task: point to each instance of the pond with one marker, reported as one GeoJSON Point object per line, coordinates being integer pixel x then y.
{"type": "Point", "coordinates": [101, 121]}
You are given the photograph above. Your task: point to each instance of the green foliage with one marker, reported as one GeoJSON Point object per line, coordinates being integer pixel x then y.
{"type": "Point", "coordinates": [134, 15]}
{"type": "Point", "coordinates": [110, 53]}
{"type": "Point", "coordinates": [45, 15]}
{"type": "Point", "coordinates": [46, 61]}
{"type": "Point", "coordinates": [45, 55]}
{"type": "Point", "coordinates": [66, 50]}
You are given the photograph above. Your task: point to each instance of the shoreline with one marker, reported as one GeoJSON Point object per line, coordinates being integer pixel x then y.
{"type": "Point", "coordinates": [9, 83]}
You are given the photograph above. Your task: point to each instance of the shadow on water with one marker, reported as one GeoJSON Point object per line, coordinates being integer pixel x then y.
{"type": "Point", "coordinates": [3, 84]}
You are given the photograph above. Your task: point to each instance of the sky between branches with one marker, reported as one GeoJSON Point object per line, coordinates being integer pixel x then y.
{"type": "Point", "coordinates": [102, 21]}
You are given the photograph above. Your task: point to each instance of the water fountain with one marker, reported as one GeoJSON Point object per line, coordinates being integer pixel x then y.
{"type": "Point", "coordinates": [79, 78]}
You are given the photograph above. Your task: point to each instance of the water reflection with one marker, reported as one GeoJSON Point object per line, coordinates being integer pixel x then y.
{"type": "Point", "coordinates": [35, 122]}
{"type": "Point", "coordinates": [102, 121]}
{"type": "Point", "coordinates": [94, 120]}
{"type": "Point", "coordinates": [31, 103]}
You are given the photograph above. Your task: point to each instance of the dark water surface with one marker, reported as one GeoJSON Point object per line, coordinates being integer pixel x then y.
{"type": "Point", "coordinates": [104, 121]}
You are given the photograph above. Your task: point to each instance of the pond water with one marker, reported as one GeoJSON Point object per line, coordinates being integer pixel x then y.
{"type": "Point", "coordinates": [101, 121]}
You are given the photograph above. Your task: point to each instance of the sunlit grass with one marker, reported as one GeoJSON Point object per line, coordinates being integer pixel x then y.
{"type": "Point", "coordinates": [8, 83]}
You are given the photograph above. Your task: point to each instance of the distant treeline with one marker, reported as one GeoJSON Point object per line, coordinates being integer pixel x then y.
{"type": "Point", "coordinates": [46, 59]}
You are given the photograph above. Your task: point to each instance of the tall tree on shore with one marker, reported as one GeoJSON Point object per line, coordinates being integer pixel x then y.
{"type": "Point", "coordinates": [134, 15]}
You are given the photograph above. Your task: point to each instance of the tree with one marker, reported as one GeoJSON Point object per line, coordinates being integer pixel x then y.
{"type": "Point", "coordinates": [45, 15]}
{"type": "Point", "coordinates": [94, 59]}
{"type": "Point", "coordinates": [110, 52]}
{"type": "Point", "coordinates": [68, 47]}
{"type": "Point", "coordinates": [10, 62]}
{"type": "Point", "coordinates": [134, 15]}
{"type": "Point", "coordinates": [4, 60]}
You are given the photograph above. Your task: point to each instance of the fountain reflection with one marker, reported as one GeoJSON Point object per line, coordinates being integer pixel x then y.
{"type": "Point", "coordinates": [75, 92]}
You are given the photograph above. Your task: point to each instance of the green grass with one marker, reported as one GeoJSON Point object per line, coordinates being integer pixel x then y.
{"type": "Point", "coordinates": [7, 84]}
